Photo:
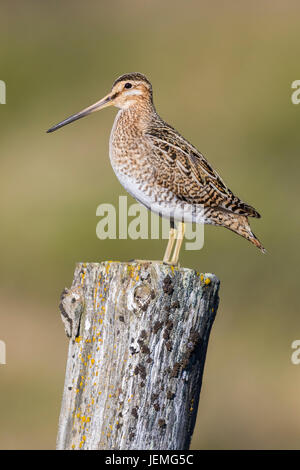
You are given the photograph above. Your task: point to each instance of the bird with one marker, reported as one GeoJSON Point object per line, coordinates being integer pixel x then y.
{"type": "Point", "coordinates": [162, 170]}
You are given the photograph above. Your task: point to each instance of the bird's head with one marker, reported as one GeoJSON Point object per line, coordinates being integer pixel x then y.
{"type": "Point", "coordinates": [127, 90]}
{"type": "Point", "coordinates": [130, 89]}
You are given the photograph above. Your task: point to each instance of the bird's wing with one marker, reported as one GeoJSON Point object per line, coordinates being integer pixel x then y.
{"type": "Point", "coordinates": [204, 184]}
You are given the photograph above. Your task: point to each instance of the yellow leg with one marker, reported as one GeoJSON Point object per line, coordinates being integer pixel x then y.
{"type": "Point", "coordinates": [180, 236]}
{"type": "Point", "coordinates": [172, 237]}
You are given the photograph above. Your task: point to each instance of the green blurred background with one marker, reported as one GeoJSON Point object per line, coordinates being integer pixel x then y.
{"type": "Point", "coordinates": [222, 74]}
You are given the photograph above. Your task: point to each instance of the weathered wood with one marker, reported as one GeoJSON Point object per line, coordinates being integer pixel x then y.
{"type": "Point", "coordinates": [138, 339]}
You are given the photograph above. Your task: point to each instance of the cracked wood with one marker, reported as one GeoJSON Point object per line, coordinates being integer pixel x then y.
{"type": "Point", "coordinates": [138, 339]}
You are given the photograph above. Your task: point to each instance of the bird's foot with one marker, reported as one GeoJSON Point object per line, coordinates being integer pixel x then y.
{"type": "Point", "coordinates": [171, 263]}
{"type": "Point", "coordinates": [158, 261]}
{"type": "Point", "coordinates": [144, 261]}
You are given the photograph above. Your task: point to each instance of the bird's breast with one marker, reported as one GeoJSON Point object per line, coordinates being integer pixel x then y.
{"type": "Point", "coordinates": [129, 151]}
{"type": "Point", "coordinates": [134, 164]}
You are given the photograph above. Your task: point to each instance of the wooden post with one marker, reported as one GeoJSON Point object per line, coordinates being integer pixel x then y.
{"type": "Point", "coordinates": [138, 338]}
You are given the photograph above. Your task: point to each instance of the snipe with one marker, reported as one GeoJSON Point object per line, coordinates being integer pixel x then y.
{"type": "Point", "coordinates": [162, 170]}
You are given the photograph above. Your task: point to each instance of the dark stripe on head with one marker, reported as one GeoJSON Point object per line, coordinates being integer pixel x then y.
{"type": "Point", "coordinates": [132, 76]}
{"type": "Point", "coordinates": [135, 76]}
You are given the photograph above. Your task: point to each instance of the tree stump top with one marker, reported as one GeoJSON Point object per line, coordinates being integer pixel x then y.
{"type": "Point", "coordinates": [138, 338]}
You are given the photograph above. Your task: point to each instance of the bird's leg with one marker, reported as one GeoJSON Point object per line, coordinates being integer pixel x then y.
{"type": "Point", "coordinates": [180, 236]}
{"type": "Point", "coordinates": [172, 237]}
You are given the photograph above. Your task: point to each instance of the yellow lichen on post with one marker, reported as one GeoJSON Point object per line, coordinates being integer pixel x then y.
{"type": "Point", "coordinates": [136, 362]}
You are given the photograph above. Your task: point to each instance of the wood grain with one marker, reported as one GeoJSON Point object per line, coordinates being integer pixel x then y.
{"type": "Point", "coordinates": [138, 339]}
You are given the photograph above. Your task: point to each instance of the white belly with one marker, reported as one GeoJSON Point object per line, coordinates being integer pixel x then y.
{"type": "Point", "coordinates": [157, 199]}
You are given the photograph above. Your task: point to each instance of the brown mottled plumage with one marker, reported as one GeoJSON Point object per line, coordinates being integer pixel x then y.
{"type": "Point", "coordinates": [161, 169]}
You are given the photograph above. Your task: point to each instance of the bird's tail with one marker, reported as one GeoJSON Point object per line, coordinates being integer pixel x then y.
{"type": "Point", "coordinates": [253, 239]}
{"type": "Point", "coordinates": [238, 224]}
{"type": "Point", "coordinates": [246, 232]}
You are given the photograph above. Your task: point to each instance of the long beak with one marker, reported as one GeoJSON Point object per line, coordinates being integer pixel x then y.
{"type": "Point", "coordinates": [106, 101]}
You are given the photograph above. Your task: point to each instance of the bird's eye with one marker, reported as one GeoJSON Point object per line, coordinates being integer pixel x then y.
{"type": "Point", "coordinates": [127, 85]}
